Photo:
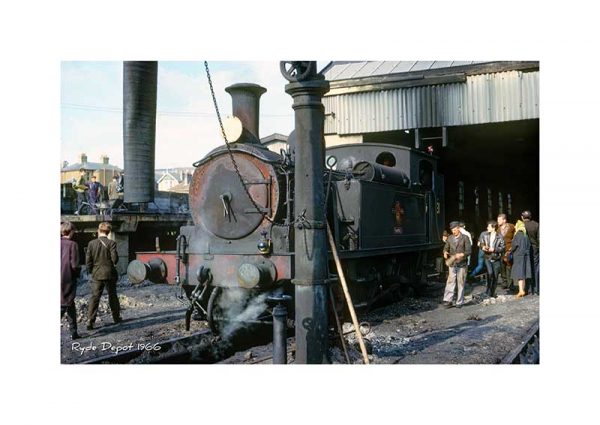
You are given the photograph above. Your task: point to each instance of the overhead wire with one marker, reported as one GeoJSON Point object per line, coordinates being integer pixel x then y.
{"type": "Point", "coordinates": [97, 108]}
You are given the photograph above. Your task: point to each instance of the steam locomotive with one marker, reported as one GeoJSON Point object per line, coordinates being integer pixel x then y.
{"type": "Point", "coordinates": [384, 205]}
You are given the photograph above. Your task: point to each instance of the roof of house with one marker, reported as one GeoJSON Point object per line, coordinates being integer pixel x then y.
{"type": "Point", "coordinates": [92, 166]}
{"type": "Point", "coordinates": [274, 138]}
{"type": "Point", "coordinates": [167, 175]}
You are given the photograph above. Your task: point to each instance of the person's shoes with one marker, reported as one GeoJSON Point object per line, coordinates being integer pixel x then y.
{"type": "Point", "coordinates": [118, 320]}
{"type": "Point", "coordinates": [521, 294]}
{"type": "Point", "coordinates": [75, 336]}
{"type": "Point", "coordinates": [458, 305]}
{"type": "Point", "coordinates": [89, 326]}
{"type": "Point", "coordinates": [447, 304]}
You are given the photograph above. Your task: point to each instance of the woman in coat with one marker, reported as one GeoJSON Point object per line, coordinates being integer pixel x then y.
{"type": "Point", "coordinates": [519, 249]}
{"type": "Point", "coordinates": [69, 270]}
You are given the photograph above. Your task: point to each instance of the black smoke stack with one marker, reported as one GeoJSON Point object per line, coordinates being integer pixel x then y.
{"type": "Point", "coordinates": [139, 129]}
{"type": "Point", "coordinates": [246, 105]}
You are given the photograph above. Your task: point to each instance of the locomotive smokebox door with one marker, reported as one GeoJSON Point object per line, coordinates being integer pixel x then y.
{"type": "Point", "coordinates": [219, 201]}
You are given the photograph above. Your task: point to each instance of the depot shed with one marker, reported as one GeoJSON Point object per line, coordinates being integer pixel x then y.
{"type": "Point", "coordinates": [481, 118]}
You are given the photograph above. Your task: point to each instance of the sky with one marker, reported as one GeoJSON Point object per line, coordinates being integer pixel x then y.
{"type": "Point", "coordinates": [186, 123]}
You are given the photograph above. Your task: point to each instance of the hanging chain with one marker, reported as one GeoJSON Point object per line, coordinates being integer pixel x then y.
{"type": "Point", "coordinates": [235, 166]}
{"type": "Point", "coordinates": [301, 218]}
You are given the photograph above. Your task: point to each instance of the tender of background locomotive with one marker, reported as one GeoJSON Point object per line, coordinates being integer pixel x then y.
{"type": "Point", "coordinates": [384, 206]}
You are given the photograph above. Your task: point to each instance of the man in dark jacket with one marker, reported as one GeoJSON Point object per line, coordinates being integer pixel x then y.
{"type": "Point", "coordinates": [95, 193]}
{"type": "Point", "coordinates": [456, 249]}
{"type": "Point", "coordinates": [533, 232]}
{"type": "Point", "coordinates": [507, 230]}
{"type": "Point", "coordinates": [492, 245]}
{"type": "Point", "coordinates": [69, 270]}
{"type": "Point", "coordinates": [101, 259]}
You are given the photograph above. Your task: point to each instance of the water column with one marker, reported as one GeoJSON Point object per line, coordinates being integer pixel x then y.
{"type": "Point", "coordinates": [310, 268]}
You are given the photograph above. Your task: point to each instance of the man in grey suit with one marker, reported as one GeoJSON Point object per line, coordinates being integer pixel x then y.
{"type": "Point", "coordinates": [101, 259]}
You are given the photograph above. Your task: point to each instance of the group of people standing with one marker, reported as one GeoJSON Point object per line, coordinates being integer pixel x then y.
{"type": "Point", "coordinates": [101, 260]}
{"type": "Point", "coordinates": [92, 191]}
{"type": "Point", "coordinates": [509, 252]}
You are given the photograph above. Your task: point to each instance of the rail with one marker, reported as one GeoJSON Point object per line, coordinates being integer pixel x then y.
{"type": "Point", "coordinates": [528, 350]}
{"type": "Point", "coordinates": [161, 354]}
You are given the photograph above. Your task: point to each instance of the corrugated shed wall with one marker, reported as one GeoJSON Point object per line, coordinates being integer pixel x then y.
{"type": "Point", "coordinates": [486, 98]}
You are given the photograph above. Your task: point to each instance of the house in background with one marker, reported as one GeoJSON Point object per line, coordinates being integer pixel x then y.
{"type": "Point", "coordinates": [275, 142]}
{"type": "Point", "coordinates": [104, 171]}
{"type": "Point", "coordinates": [173, 179]}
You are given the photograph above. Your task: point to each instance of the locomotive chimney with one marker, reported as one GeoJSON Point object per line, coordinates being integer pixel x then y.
{"type": "Point", "coordinates": [246, 105]}
{"type": "Point", "coordinates": [139, 129]}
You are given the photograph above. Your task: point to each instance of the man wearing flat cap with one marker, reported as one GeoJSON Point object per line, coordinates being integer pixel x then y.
{"type": "Point", "coordinates": [456, 249]}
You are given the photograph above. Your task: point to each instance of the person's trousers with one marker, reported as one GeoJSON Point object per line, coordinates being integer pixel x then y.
{"type": "Point", "coordinates": [80, 201]}
{"type": "Point", "coordinates": [493, 269]}
{"type": "Point", "coordinates": [456, 277]}
{"type": "Point", "coordinates": [505, 272]}
{"type": "Point", "coordinates": [536, 271]}
{"type": "Point", "coordinates": [113, 299]}
{"type": "Point", "coordinates": [480, 264]}
{"type": "Point", "coordinates": [71, 317]}
{"type": "Point", "coordinates": [534, 255]}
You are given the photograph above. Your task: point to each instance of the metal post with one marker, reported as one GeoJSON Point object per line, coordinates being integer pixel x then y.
{"type": "Point", "coordinates": [279, 334]}
{"type": "Point", "coordinates": [444, 137]}
{"type": "Point", "coordinates": [417, 139]}
{"type": "Point", "coordinates": [310, 242]}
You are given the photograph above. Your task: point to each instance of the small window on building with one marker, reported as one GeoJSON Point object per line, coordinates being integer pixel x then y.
{"type": "Point", "coordinates": [489, 199]}
{"type": "Point", "coordinates": [509, 203]}
{"type": "Point", "coordinates": [461, 198]}
{"type": "Point", "coordinates": [426, 174]}
{"type": "Point", "coordinates": [500, 203]}
{"type": "Point", "coordinates": [386, 158]}
{"type": "Point", "coordinates": [476, 196]}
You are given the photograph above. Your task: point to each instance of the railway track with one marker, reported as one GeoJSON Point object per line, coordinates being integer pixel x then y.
{"type": "Point", "coordinates": [174, 350]}
{"type": "Point", "coordinates": [199, 348]}
{"type": "Point", "coordinates": [528, 351]}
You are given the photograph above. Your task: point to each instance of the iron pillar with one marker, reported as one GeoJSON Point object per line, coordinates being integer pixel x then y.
{"type": "Point", "coordinates": [310, 242]}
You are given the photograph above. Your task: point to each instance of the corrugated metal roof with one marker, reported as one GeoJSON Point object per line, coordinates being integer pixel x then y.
{"type": "Point", "coordinates": [484, 98]}
{"type": "Point", "coordinates": [345, 70]}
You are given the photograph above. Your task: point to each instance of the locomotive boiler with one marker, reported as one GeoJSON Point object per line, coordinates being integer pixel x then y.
{"type": "Point", "coordinates": [383, 203]}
